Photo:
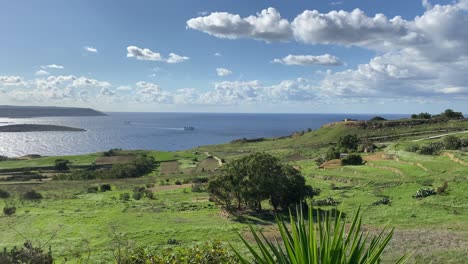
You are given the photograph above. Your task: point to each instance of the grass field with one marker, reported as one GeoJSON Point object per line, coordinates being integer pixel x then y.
{"type": "Point", "coordinates": [434, 229]}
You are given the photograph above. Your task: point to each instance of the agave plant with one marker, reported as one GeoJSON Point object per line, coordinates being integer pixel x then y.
{"type": "Point", "coordinates": [326, 241]}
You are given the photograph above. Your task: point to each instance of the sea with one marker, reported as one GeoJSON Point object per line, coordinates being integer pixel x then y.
{"type": "Point", "coordinates": [157, 131]}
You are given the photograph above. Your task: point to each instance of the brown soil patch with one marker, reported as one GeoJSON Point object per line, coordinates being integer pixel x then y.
{"type": "Point", "coordinates": [115, 159]}
{"type": "Point", "coordinates": [296, 157]}
{"type": "Point", "coordinates": [375, 157]}
{"type": "Point", "coordinates": [331, 164]}
{"type": "Point", "coordinates": [169, 167]}
{"type": "Point", "coordinates": [209, 164]}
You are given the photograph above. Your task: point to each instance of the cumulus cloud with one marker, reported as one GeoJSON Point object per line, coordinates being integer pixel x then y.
{"type": "Point", "coordinates": [53, 66]}
{"type": "Point", "coordinates": [326, 60]}
{"type": "Point", "coordinates": [90, 49]}
{"type": "Point", "coordinates": [266, 25]}
{"type": "Point", "coordinates": [11, 81]}
{"type": "Point", "coordinates": [174, 58]}
{"type": "Point", "coordinates": [124, 88]}
{"type": "Point", "coordinates": [423, 57]}
{"type": "Point", "coordinates": [148, 55]}
{"type": "Point", "coordinates": [223, 72]}
{"type": "Point", "coordinates": [143, 54]}
{"type": "Point", "coordinates": [42, 72]}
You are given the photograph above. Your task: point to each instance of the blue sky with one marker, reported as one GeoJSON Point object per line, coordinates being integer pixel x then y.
{"type": "Point", "coordinates": [236, 56]}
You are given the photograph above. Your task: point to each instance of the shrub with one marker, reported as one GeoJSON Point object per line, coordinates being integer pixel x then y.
{"type": "Point", "coordinates": [125, 197]}
{"type": "Point", "coordinates": [137, 195]}
{"type": "Point", "coordinates": [198, 187]}
{"type": "Point", "coordinates": [26, 254]}
{"type": "Point", "coordinates": [352, 159]}
{"type": "Point", "coordinates": [384, 201]}
{"type": "Point", "coordinates": [61, 165]}
{"type": "Point", "coordinates": [431, 149]}
{"type": "Point", "coordinates": [32, 195]}
{"type": "Point", "coordinates": [178, 182]}
{"type": "Point", "coordinates": [422, 193]}
{"type": "Point", "coordinates": [9, 210]}
{"type": "Point", "coordinates": [105, 187]}
{"type": "Point", "coordinates": [452, 143]}
{"type": "Point", "coordinates": [92, 189]}
{"type": "Point", "coordinates": [149, 194]}
{"type": "Point", "coordinates": [412, 148]}
{"type": "Point", "coordinates": [4, 194]}
{"type": "Point", "coordinates": [332, 153]}
{"type": "Point", "coordinates": [172, 241]}
{"type": "Point", "coordinates": [329, 201]}
{"type": "Point", "coordinates": [443, 188]}
{"type": "Point", "coordinates": [327, 241]}
{"type": "Point", "coordinates": [348, 142]}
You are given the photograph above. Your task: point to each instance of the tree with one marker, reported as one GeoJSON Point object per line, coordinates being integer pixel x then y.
{"type": "Point", "coordinates": [61, 165]}
{"type": "Point", "coordinates": [348, 142]}
{"type": "Point", "coordinates": [332, 153]}
{"type": "Point", "coordinates": [248, 181]}
{"type": "Point", "coordinates": [352, 159]}
{"type": "Point", "coordinates": [421, 116]}
{"type": "Point", "coordinates": [450, 114]}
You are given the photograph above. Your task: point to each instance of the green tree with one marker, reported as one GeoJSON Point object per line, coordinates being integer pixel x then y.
{"type": "Point", "coordinates": [252, 179]}
{"type": "Point", "coordinates": [348, 142]}
{"type": "Point", "coordinates": [450, 114]}
{"type": "Point", "coordinates": [332, 153]}
{"type": "Point", "coordinates": [352, 159]}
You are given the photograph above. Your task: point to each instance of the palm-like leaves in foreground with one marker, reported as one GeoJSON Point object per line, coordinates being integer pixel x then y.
{"type": "Point", "coordinates": [327, 241]}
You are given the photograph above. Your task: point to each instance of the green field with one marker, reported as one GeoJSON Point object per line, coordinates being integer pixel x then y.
{"type": "Point", "coordinates": [434, 229]}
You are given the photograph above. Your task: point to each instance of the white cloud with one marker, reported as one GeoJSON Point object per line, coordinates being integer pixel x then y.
{"type": "Point", "coordinates": [147, 54]}
{"type": "Point", "coordinates": [124, 88]}
{"type": "Point", "coordinates": [174, 58]}
{"type": "Point", "coordinates": [53, 66]}
{"type": "Point", "coordinates": [266, 25]}
{"type": "Point", "coordinates": [326, 60]}
{"type": "Point", "coordinates": [143, 54]}
{"type": "Point", "coordinates": [223, 72]}
{"type": "Point", "coordinates": [42, 72]}
{"type": "Point", "coordinates": [217, 54]}
{"type": "Point", "coordinates": [11, 81]}
{"type": "Point", "coordinates": [90, 49]}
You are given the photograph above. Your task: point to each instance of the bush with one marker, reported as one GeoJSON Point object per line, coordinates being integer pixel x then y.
{"type": "Point", "coordinates": [27, 254]}
{"type": "Point", "coordinates": [32, 195]}
{"type": "Point", "coordinates": [208, 253]}
{"type": "Point", "coordinates": [61, 165]}
{"type": "Point", "coordinates": [431, 149]}
{"type": "Point", "coordinates": [172, 241]}
{"type": "Point", "coordinates": [452, 143]}
{"type": "Point", "coordinates": [412, 148]}
{"type": "Point", "coordinates": [125, 197]}
{"type": "Point", "coordinates": [4, 194]}
{"type": "Point", "coordinates": [348, 142]}
{"type": "Point", "coordinates": [384, 201]}
{"type": "Point", "coordinates": [93, 189]}
{"type": "Point", "coordinates": [329, 201]}
{"type": "Point", "coordinates": [198, 187]}
{"type": "Point", "coordinates": [352, 159]}
{"type": "Point", "coordinates": [9, 210]}
{"type": "Point", "coordinates": [105, 187]}
{"type": "Point", "coordinates": [178, 182]}
{"type": "Point", "coordinates": [422, 193]}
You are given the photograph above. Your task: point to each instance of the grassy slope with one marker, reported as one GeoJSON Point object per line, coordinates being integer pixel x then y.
{"type": "Point", "coordinates": [436, 228]}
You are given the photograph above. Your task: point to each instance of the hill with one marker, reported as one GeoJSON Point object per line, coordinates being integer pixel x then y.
{"type": "Point", "coordinates": [45, 111]}
{"type": "Point", "coordinates": [36, 128]}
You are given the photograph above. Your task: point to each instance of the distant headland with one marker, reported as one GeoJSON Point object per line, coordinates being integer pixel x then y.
{"type": "Point", "coordinates": [45, 111]}
{"type": "Point", "coordinates": [37, 128]}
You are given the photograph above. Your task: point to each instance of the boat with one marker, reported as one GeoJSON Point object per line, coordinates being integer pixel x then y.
{"type": "Point", "coordinates": [189, 128]}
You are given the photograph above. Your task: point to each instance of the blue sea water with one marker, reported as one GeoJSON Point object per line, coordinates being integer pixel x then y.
{"type": "Point", "coordinates": [156, 131]}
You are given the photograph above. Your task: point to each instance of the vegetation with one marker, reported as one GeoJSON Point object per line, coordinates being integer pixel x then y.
{"type": "Point", "coordinates": [352, 159]}
{"type": "Point", "coordinates": [61, 165]}
{"type": "Point", "coordinates": [328, 241]}
{"type": "Point", "coordinates": [348, 143]}
{"type": "Point", "coordinates": [9, 210]}
{"type": "Point", "coordinates": [32, 195]}
{"type": "Point", "coordinates": [246, 182]}
{"type": "Point", "coordinates": [4, 194]}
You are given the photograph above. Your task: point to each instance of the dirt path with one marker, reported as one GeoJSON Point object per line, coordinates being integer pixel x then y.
{"type": "Point", "coordinates": [439, 136]}
{"type": "Point", "coordinates": [220, 161]}
{"type": "Point", "coordinates": [454, 159]}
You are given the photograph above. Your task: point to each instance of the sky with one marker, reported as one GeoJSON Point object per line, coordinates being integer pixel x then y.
{"type": "Point", "coordinates": [321, 56]}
